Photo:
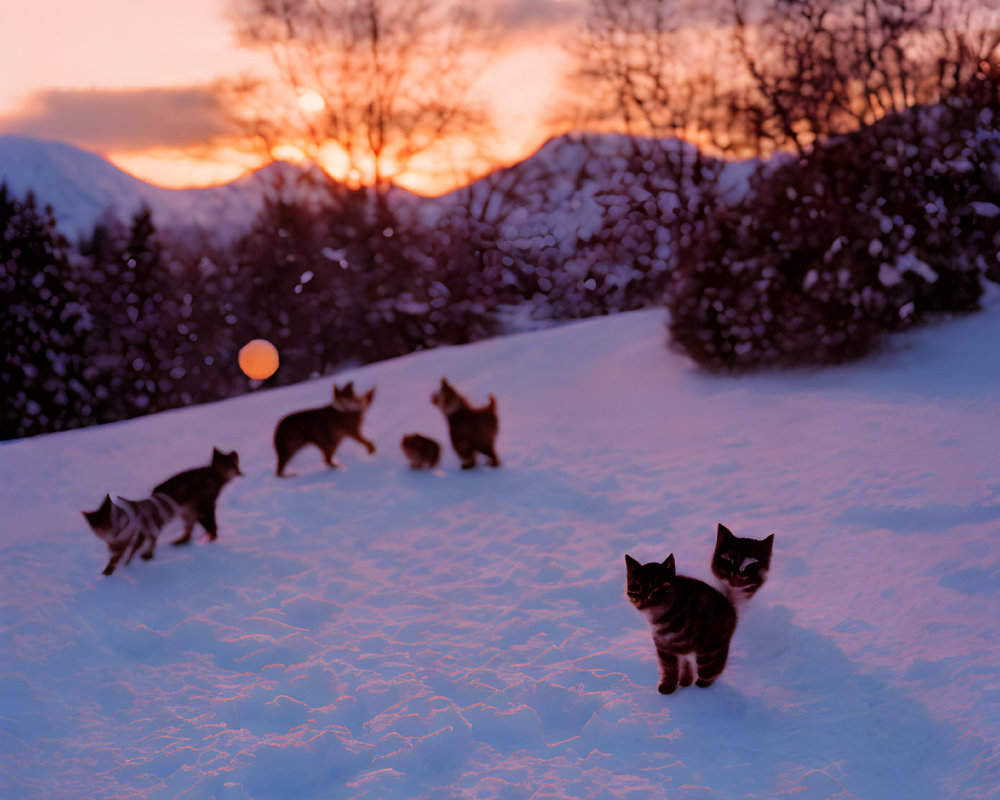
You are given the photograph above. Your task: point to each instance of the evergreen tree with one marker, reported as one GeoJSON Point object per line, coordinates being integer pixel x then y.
{"type": "Point", "coordinates": [43, 324]}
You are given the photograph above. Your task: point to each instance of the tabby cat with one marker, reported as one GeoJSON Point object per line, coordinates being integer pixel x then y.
{"type": "Point", "coordinates": [130, 525]}
{"type": "Point", "coordinates": [691, 621]}
{"type": "Point", "coordinates": [741, 564]}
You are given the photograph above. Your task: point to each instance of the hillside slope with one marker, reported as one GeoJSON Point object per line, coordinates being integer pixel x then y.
{"type": "Point", "coordinates": [374, 632]}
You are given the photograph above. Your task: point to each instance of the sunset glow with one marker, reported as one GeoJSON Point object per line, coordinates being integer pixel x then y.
{"type": "Point", "coordinates": [136, 83]}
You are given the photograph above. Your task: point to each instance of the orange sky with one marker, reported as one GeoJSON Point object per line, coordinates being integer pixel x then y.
{"type": "Point", "coordinates": [131, 79]}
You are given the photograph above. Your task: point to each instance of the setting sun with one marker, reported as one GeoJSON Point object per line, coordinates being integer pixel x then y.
{"type": "Point", "coordinates": [311, 101]}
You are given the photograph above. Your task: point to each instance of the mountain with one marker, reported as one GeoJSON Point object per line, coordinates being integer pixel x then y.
{"type": "Point", "coordinates": [559, 188]}
{"type": "Point", "coordinates": [378, 632]}
{"type": "Point", "coordinates": [81, 186]}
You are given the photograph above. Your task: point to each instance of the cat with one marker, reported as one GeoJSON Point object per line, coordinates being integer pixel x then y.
{"type": "Point", "coordinates": [421, 451]}
{"type": "Point", "coordinates": [691, 622]}
{"type": "Point", "coordinates": [323, 427]}
{"type": "Point", "coordinates": [471, 429]}
{"type": "Point", "coordinates": [195, 492]}
{"type": "Point", "coordinates": [741, 565]}
{"type": "Point", "coordinates": [130, 525]}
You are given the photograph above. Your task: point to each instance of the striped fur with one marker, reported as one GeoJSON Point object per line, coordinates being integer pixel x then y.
{"type": "Point", "coordinates": [692, 622]}
{"type": "Point", "coordinates": [130, 526]}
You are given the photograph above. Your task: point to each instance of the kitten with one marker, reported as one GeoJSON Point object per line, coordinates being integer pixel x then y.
{"type": "Point", "coordinates": [471, 429]}
{"type": "Point", "coordinates": [740, 564]}
{"type": "Point", "coordinates": [195, 492]}
{"type": "Point", "coordinates": [130, 525]}
{"type": "Point", "coordinates": [323, 427]}
{"type": "Point", "coordinates": [691, 622]}
{"type": "Point", "coordinates": [422, 451]}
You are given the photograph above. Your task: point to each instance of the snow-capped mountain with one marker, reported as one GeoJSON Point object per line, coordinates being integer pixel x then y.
{"type": "Point", "coordinates": [82, 186]}
{"type": "Point", "coordinates": [558, 184]}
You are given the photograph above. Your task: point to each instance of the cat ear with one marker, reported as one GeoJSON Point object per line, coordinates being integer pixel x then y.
{"type": "Point", "coordinates": [370, 396]}
{"type": "Point", "coordinates": [768, 544]}
{"type": "Point", "coordinates": [630, 564]}
{"type": "Point", "coordinates": [669, 565]}
{"type": "Point", "coordinates": [723, 534]}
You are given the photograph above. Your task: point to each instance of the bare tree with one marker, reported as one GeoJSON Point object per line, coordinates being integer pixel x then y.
{"type": "Point", "coordinates": [363, 87]}
{"type": "Point", "coordinates": [820, 68]}
{"type": "Point", "coordinates": [650, 67]}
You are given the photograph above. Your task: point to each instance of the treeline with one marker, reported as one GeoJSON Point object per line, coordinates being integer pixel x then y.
{"type": "Point", "coordinates": [129, 320]}
{"type": "Point", "coordinates": [873, 204]}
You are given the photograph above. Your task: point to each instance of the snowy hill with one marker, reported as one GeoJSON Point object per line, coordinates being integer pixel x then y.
{"type": "Point", "coordinates": [374, 632]}
{"type": "Point", "coordinates": [81, 186]}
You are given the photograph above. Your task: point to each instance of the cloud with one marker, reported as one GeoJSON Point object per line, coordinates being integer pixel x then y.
{"type": "Point", "coordinates": [123, 119]}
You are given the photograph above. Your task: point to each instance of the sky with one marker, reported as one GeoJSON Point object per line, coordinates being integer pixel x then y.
{"type": "Point", "coordinates": [133, 81]}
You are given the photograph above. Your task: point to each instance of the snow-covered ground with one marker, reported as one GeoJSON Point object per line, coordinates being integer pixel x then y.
{"type": "Point", "coordinates": [374, 632]}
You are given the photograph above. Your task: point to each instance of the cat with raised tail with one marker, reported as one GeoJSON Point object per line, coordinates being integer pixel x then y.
{"type": "Point", "coordinates": [195, 492]}
{"type": "Point", "coordinates": [692, 622]}
{"type": "Point", "coordinates": [324, 427]}
{"type": "Point", "coordinates": [740, 564]}
{"type": "Point", "coordinates": [472, 430]}
{"type": "Point", "coordinates": [130, 525]}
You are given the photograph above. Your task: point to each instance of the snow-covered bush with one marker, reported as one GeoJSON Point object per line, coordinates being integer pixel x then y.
{"type": "Point", "coordinates": [866, 234]}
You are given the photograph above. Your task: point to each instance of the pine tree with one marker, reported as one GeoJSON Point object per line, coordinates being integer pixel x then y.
{"type": "Point", "coordinates": [43, 324]}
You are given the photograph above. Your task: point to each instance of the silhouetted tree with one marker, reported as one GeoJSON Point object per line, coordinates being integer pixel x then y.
{"type": "Point", "coordinates": [44, 324]}
{"type": "Point", "coordinates": [363, 87]}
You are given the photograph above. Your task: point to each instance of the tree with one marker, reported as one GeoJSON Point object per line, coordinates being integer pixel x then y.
{"type": "Point", "coordinates": [43, 324]}
{"type": "Point", "coordinates": [658, 70]}
{"type": "Point", "coordinates": [362, 87]}
{"type": "Point", "coordinates": [822, 68]}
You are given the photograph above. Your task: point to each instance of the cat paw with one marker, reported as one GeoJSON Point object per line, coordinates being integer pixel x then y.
{"type": "Point", "coordinates": [666, 688]}
{"type": "Point", "coordinates": [146, 556]}
{"type": "Point", "coordinates": [182, 540]}
{"type": "Point", "coordinates": [703, 683]}
{"type": "Point", "coordinates": [108, 570]}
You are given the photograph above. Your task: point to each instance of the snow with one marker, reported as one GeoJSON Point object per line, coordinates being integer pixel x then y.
{"type": "Point", "coordinates": [82, 187]}
{"type": "Point", "coordinates": [374, 632]}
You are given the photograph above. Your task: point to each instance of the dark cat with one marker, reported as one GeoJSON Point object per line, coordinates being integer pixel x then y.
{"type": "Point", "coordinates": [323, 427]}
{"type": "Point", "coordinates": [421, 451]}
{"type": "Point", "coordinates": [691, 622]}
{"type": "Point", "coordinates": [741, 564]}
{"type": "Point", "coordinates": [130, 525]}
{"type": "Point", "coordinates": [471, 429]}
{"type": "Point", "coordinates": [195, 492]}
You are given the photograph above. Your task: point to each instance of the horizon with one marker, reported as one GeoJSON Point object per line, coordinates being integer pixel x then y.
{"type": "Point", "coordinates": [142, 92]}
